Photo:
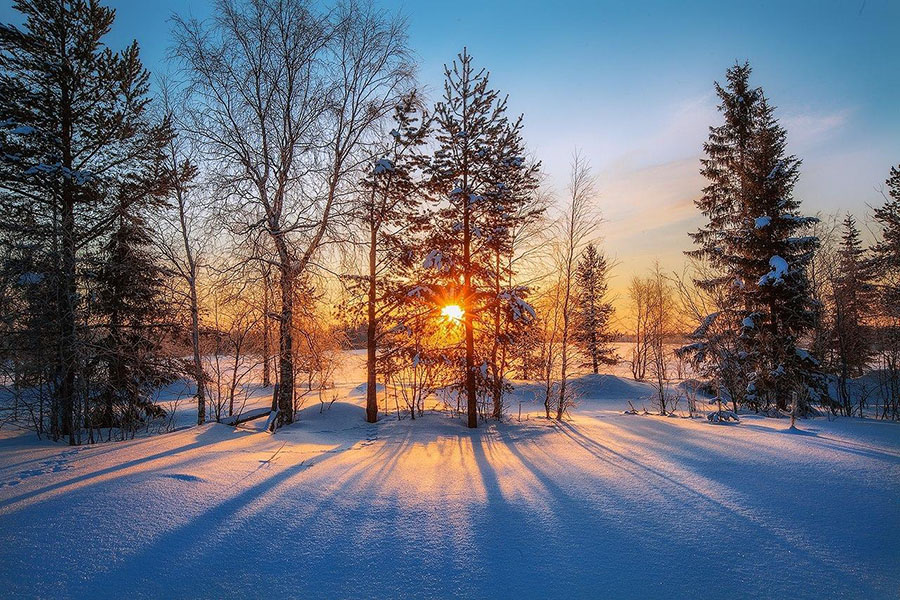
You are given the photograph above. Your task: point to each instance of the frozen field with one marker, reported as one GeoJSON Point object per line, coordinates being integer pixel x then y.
{"type": "Point", "coordinates": [606, 505]}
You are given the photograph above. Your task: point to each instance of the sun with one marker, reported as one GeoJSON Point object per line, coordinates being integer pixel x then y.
{"type": "Point", "coordinates": [453, 312]}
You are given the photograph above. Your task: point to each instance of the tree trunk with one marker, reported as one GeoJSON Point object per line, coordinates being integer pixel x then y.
{"type": "Point", "coordinates": [267, 351]}
{"type": "Point", "coordinates": [69, 284]}
{"type": "Point", "coordinates": [497, 388]}
{"type": "Point", "coordinates": [564, 348]}
{"type": "Point", "coordinates": [371, 384]}
{"type": "Point", "coordinates": [286, 348]}
{"type": "Point", "coordinates": [199, 374]}
{"type": "Point", "coordinates": [471, 399]}
{"type": "Point", "coordinates": [67, 323]}
{"type": "Point", "coordinates": [564, 359]}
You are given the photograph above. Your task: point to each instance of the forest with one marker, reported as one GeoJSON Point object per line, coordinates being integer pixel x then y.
{"type": "Point", "coordinates": [292, 195]}
{"type": "Point", "coordinates": [287, 224]}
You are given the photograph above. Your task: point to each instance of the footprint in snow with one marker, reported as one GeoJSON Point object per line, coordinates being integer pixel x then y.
{"type": "Point", "coordinates": [52, 465]}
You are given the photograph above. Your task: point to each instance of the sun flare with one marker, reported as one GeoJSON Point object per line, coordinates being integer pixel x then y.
{"type": "Point", "coordinates": [454, 312]}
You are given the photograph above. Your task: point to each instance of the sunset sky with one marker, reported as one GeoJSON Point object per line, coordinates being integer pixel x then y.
{"type": "Point", "coordinates": [631, 84]}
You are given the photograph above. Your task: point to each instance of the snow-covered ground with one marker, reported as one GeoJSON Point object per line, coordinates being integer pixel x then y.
{"type": "Point", "coordinates": [606, 505]}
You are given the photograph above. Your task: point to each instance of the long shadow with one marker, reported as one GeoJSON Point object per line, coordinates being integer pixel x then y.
{"type": "Point", "coordinates": [489, 478]}
{"type": "Point", "coordinates": [190, 539]}
{"type": "Point", "coordinates": [813, 554]}
{"type": "Point", "coordinates": [197, 443]}
{"type": "Point", "coordinates": [498, 507]}
{"type": "Point", "coordinates": [822, 441]}
{"type": "Point", "coordinates": [556, 494]}
{"type": "Point", "coordinates": [88, 450]}
{"type": "Point", "coordinates": [563, 505]}
{"type": "Point", "coordinates": [602, 453]}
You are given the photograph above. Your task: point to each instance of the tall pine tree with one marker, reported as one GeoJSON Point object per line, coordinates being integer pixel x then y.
{"type": "Point", "coordinates": [74, 127]}
{"type": "Point", "coordinates": [130, 302]}
{"type": "Point", "coordinates": [391, 217]}
{"type": "Point", "coordinates": [478, 178]}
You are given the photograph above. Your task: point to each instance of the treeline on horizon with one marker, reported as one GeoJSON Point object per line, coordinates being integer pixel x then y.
{"type": "Point", "coordinates": [289, 188]}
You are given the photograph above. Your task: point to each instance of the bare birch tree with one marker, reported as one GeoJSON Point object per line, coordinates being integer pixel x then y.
{"type": "Point", "coordinates": [285, 99]}
{"type": "Point", "coordinates": [178, 239]}
{"type": "Point", "coordinates": [578, 223]}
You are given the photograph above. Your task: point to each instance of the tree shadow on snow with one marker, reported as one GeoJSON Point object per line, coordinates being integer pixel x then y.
{"type": "Point", "coordinates": [201, 439]}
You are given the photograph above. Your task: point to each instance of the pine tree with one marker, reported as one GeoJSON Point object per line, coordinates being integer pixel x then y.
{"type": "Point", "coordinates": [478, 177]}
{"type": "Point", "coordinates": [594, 310]}
{"type": "Point", "coordinates": [753, 244]}
{"type": "Point", "coordinates": [512, 211]}
{"type": "Point", "coordinates": [715, 351]}
{"type": "Point", "coordinates": [74, 126]}
{"type": "Point", "coordinates": [390, 214]}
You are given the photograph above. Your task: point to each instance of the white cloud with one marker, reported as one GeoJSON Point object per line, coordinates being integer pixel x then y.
{"type": "Point", "coordinates": [807, 128]}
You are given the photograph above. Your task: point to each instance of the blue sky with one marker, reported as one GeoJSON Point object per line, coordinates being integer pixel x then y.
{"type": "Point", "coordinates": [630, 83]}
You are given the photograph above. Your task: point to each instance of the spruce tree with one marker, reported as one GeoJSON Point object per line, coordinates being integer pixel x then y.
{"type": "Point", "coordinates": [593, 309]}
{"type": "Point", "coordinates": [775, 257]}
{"type": "Point", "coordinates": [886, 253]}
{"type": "Point", "coordinates": [886, 263]}
{"type": "Point", "coordinates": [715, 351]}
{"type": "Point", "coordinates": [851, 304]}
{"type": "Point", "coordinates": [757, 254]}
{"type": "Point", "coordinates": [130, 302]}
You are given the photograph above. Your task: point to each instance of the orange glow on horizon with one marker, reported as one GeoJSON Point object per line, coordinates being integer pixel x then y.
{"type": "Point", "coordinates": [453, 312]}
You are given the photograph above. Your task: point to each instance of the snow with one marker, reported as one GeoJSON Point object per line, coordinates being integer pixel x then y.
{"type": "Point", "coordinates": [603, 505]}
{"type": "Point", "coordinates": [434, 260]}
{"type": "Point", "coordinates": [521, 309]}
{"type": "Point", "coordinates": [776, 275]}
{"type": "Point", "coordinates": [383, 165]}
{"type": "Point", "coordinates": [80, 177]}
{"type": "Point", "coordinates": [761, 222]}
{"type": "Point", "coordinates": [30, 278]}
{"type": "Point", "coordinates": [803, 354]}
{"type": "Point", "coordinates": [417, 292]}
{"type": "Point", "coordinates": [800, 221]}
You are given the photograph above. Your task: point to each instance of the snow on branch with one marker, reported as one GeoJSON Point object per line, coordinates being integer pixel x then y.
{"type": "Point", "coordinates": [776, 275]}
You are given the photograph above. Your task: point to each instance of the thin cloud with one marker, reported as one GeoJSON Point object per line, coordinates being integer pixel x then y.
{"type": "Point", "coordinates": [807, 128]}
